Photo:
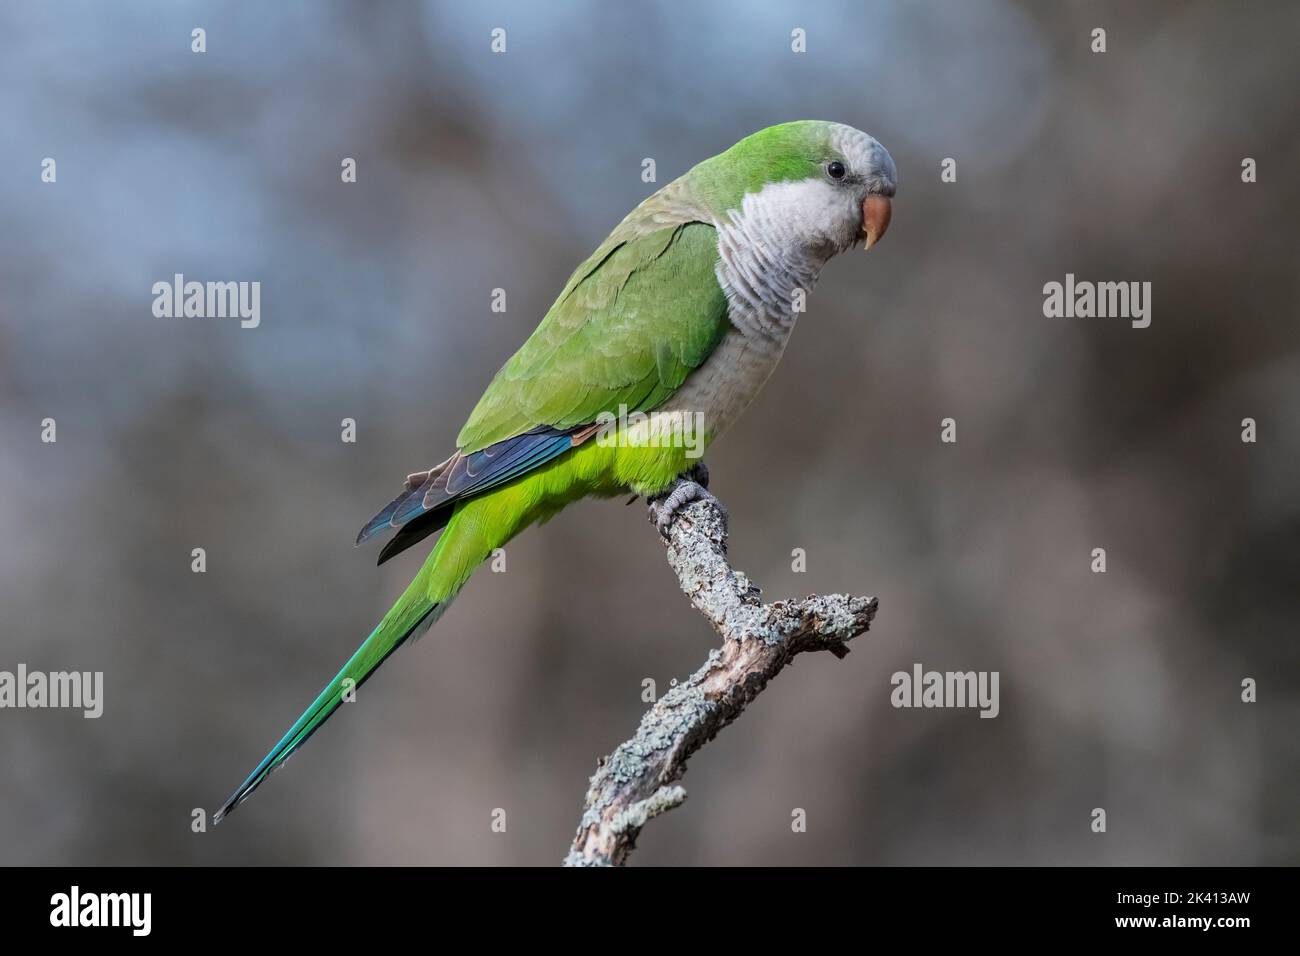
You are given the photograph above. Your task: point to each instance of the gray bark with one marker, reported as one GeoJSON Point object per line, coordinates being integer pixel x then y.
{"type": "Point", "coordinates": [639, 779]}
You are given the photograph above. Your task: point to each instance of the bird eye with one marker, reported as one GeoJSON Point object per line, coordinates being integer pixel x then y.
{"type": "Point", "coordinates": [835, 169]}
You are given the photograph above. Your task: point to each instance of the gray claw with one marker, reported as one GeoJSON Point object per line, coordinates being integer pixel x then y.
{"type": "Point", "coordinates": [684, 492]}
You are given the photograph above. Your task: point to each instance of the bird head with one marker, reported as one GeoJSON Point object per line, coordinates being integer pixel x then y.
{"type": "Point", "coordinates": [816, 187]}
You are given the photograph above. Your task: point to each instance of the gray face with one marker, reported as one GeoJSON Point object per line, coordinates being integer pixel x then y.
{"type": "Point", "coordinates": [867, 175]}
{"type": "Point", "coordinates": [870, 168]}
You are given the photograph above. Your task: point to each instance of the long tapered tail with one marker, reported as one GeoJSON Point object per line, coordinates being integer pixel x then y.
{"type": "Point", "coordinates": [398, 625]}
{"type": "Point", "coordinates": [450, 563]}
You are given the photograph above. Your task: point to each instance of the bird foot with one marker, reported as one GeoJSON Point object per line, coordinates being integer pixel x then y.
{"type": "Point", "coordinates": [692, 486]}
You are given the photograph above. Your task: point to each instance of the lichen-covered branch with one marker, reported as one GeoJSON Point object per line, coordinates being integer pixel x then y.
{"type": "Point", "coordinates": [639, 779]}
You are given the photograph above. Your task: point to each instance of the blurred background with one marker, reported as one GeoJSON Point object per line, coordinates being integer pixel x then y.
{"type": "Point", "coordinates": [477, 171]}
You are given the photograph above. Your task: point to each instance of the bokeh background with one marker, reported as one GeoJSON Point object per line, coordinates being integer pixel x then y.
{"type": "Point", "coordinates": [476, 171]}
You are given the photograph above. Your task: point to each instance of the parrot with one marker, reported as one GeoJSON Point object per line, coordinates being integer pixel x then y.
{"type": "Point", "coordinates": [680, 316]}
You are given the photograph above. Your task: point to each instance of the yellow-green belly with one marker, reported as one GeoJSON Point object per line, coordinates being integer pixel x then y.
{"type": "Point", "coordinates": [593, 469]}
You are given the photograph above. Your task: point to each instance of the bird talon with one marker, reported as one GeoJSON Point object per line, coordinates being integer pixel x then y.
{"type": "Point", "coordinates": [687, 490]}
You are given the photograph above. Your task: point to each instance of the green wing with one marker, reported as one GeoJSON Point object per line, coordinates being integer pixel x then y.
{"type": "Point", "coordinates": [633, 321]}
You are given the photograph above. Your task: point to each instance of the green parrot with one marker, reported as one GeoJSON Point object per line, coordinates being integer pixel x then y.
{"type": "Point", "coordinates": [681, 315]}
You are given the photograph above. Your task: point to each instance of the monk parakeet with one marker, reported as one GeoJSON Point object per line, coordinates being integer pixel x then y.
{"type": "Point", "coordinates": [681, 314]}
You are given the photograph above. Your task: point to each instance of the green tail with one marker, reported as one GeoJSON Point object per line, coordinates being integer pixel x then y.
{"type": "Point", "coordinates": [455, 556]}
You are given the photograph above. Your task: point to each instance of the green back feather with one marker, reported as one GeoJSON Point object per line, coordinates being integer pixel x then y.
{"type": "Point", "coordinates": [635, 319]}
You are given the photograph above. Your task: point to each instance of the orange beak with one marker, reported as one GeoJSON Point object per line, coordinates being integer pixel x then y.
{"type": "Point", "coordinates": [876, 210]}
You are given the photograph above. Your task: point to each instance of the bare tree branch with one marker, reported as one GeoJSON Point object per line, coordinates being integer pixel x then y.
{"type": "Point", "coordinates": [638, 780]}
